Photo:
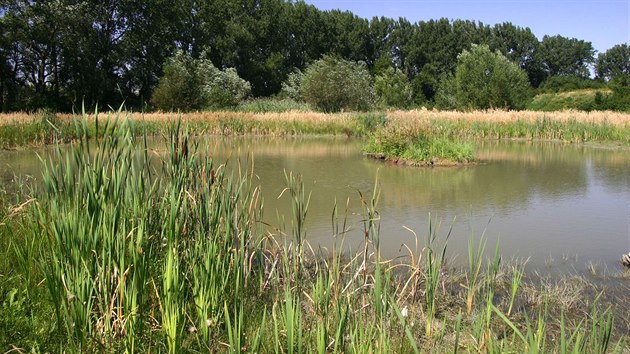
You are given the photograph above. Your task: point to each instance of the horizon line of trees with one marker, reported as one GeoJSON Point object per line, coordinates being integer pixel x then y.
{"type": "Point", "coordinates": [59, 54]}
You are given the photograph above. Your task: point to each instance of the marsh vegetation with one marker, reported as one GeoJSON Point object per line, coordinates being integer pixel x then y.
{"type": "Point", "coordinates": [126, 249]}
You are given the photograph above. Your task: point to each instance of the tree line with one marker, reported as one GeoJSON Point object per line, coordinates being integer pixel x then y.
{"type": "Point", "coordinates": [60, 54]}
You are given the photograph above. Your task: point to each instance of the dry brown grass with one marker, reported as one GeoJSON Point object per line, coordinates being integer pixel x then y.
{"type": "Point", "coordinates": [315, 117]}
{"type": "Point", "coordinates": [16, 118]}
{"type": "Point", "coordinates": [226, 115]}
{"type": "Point", "coordinates": [615, 118]}
{"type": "Point", "coordinates": [499, 116]}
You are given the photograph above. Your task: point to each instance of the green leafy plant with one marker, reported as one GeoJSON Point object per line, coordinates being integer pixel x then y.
{"type": "Point", "coordinates": [483, 80]}
{"type": "Point", "coordinates": [331, 85]}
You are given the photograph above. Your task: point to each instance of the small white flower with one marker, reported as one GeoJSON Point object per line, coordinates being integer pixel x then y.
{"type": "Point", "coordinates": [404, 312]}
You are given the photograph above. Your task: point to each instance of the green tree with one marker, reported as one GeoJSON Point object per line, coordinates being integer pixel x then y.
{"type": "Point", "coordinates": [569, 83]}
{"type": "Point", "coordinates": [520, 46]}
{"type": "Point", "coordinates": [614, 62]}
{"type": "Point", "coordinates": [620, 99]}
{"type": "Point", "coordinates": [563, 56]}
{"type": "Point", "coordinates": [333, 84]}
{"type": "Point", "coordinates": [226, 89]}
{"type": "Point", "coordinates": [484, 79]}
{"type": "Point", "coordinates": [193, 84]}
{"type": "Point", "coordinates": [425, 84]}
{"type": "Point", "coordinates": [393, 89]}
{"type": "Point", "coordinates": [292, 85]}
{"type": "Point", "coordinates": [181, 86]}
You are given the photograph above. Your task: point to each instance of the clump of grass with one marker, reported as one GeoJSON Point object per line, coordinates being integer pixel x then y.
{"type": "Point", "coordinates": [416, 145]}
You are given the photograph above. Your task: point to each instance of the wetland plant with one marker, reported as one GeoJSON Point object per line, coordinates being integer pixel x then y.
{"type": "Point", "coordinates": [132, 249]}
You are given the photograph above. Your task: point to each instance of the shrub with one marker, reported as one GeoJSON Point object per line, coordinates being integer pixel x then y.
{"type": "Point", "coordinates": [179, 87]}
{"type": "Point", "coordinates": [291, 86]}
{"type": "Point", "coordinates": [484, 80]}
{"type": "Point", "coordinates": [226, 89]}
{"type": "Point", "coordinates": [569, 83]}
{"type": "Point", "coordinates": [193, 84]}
{"type": "Point", "coordinates": [331, 84]}
{"type": "Point", "coordinates": [620, 98]}
{"type": "Point", "coordinates": [393, 89]}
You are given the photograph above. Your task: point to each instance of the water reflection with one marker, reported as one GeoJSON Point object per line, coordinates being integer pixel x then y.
{"type": "Point", "coordinates": [543, 200]}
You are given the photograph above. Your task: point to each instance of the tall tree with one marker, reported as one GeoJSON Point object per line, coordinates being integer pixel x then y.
{"type": "Point", "coordinates": [563, 56]}
{"type": "Point", "coordinates": [483, 80]}
{"type": "Point", "coordinates": [9, 63]}
{"type": "Point", "coordinates": [614, 62]}
{"type": "Point", "coordinates": [349, 36]}
{"type": "Point", "coordinates": [519, 45]}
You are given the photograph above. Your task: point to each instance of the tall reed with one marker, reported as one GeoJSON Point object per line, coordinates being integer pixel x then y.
{"type": "Point", "coordinates": [152, 250]}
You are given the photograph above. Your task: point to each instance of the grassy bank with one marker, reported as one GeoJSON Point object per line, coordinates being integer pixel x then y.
{"type": "Point", "coordinates": [583, 100]}
{"type": "Point", "coordinates": [112, 255]}
{"type": "Point", "coordinates": [569, 126]}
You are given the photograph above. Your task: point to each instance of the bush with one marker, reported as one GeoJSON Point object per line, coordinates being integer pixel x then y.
{"type": "Point", "coordinates": [193, 84]}
{"type": "Point", "coordinates": [620, 98]}
{"type": "Point", "coordinates": [484, 80]}
{"type": "Point", "coordinates": [569, 83]}
{"type": "Point", "coordinates": [393, 89]}
{"type": "Point", "coordinates": [179, 87]}
{"type": "Point", "coordinates": [331, 85]}
{"type": "Point", "coordinates": [226, 89]}
{"type": "Point", "coordinates": [291, 86]}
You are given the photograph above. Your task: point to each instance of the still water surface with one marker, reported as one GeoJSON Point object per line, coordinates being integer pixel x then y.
{"type": "Point", "coordinates": [554, 204]}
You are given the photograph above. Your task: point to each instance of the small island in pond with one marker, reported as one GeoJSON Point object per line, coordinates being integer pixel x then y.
{"type": "Point", "coordinates": [415, 146]}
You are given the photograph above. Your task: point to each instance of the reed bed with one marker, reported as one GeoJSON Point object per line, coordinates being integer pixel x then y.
{"type": "Point", "coordinates": [19, 129]}
{"type": "Point", "coordinates": [500, 116]}
{"type": "Point", "coordinates": [494, 116]}
{"type": "Point", "coordinates": [125, 251]}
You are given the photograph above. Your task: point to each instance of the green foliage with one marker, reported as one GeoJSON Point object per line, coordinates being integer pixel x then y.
{"type": "Point", "coordinates": [58, 54]}
{"type": "Point", "coordinates": [416, 145]}
{"type": "Point", "coordinates": [614, 62]}
{"type": "Point", "coordinates": [193, 84]}
{"type": "Point", "coordinates": [581, 100]}
{"type": "Point", "coordinates": [369, 122]}
{"type": "Point", "coordinates": [569, 83]}
{"type": "Point", "coordinates": [291, 86]}
{"type": "Point", "coordinates": [181, 86]}
{"type": "Point", "coordinates": [425, 84]}
{"type": "Point", "coordinates": [331, 85]}
{"type": "Point", "coordinates": [127, 258]}
{"type": "Point", "coordinates": [566, 56]}
{"type": "Point", "coordinates": [614, 98]}
{"type": "Point", "coordinates": [393, 89]}
{"type": "Point", "coordinates": [226, 89]}
{"type": "Point", "coordinates": [484, 80]}
{"type": "Point", "coordinates": [620, 99]}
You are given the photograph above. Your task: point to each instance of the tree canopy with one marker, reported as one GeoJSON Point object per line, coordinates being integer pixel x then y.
{"type": "Point", "coordinates": [332, 84]}
{"type": "Point", "coordinates": [59, 54]}
{"type": "Point", "coordinates": [484, 79]}
{"type": "Point", "coordinates": [193, 84]}
{"type": "Point", "coordinates": [614, 62]}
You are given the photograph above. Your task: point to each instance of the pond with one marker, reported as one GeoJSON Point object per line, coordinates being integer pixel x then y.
{"type": "Point", "coordinates": [559, 206]}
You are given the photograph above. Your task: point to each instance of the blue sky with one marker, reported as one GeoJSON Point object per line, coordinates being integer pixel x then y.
{"type": "Point", "coordinates": [601, 22]}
